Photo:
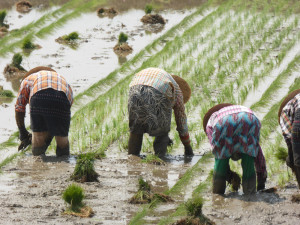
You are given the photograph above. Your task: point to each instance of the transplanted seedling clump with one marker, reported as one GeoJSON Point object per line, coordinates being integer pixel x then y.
{"type": "Point", "coordinates": [3, 14]}
{"type": "Point", "coordinates": [194, 211]}
{"type": "Point", "coordinates": [145, 195]}
{"type": "Point", "coordinates": [122, 48]}
{"type": "Point", "coordinates": [84, 170]}
{"type": "Point", "coordinates": [28, 45]}
{"type": "Point", "coordinates": [70, 39]}
{"type": "Point", "coordinates": [153, 159]}
{"type": "Point", "coordinates": [74, 196]}
{"type": "Point", "coordinates": [15, 67]}
{"type": "Point", "coordinates": [5, 93]}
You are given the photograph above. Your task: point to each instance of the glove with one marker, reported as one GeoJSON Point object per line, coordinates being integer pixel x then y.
{"type": "Point", "coordinates": [25, 138]}
{"type": "Point", "coordinates": [188, 151]}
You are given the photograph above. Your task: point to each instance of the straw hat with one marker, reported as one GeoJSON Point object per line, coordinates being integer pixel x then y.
{"type": "Point", "coordinates": [211, 111]}
{"type": "Point", "coordinates": [286, 100]}
{"type": "Point", "coordinates": [184, 87]}
{"type": "Point", "coordinates": [37, 69]}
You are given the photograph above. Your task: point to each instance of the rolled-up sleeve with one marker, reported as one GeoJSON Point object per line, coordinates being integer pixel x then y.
{"type": "Point", "coordinates": [23, 97]}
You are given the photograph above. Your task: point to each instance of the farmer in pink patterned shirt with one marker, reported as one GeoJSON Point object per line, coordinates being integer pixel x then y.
{"type": "Point", "coordinates": [289, 120]}
{"type": "Point", "coordinates": [152, 96]}
{"type": "Point", "coordinates": [233, 132]}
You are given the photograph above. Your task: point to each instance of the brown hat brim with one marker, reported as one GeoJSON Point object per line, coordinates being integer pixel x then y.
{"type": "Point", "coordinates": [211, 111]}
{"type": "Point", "coordinates": [184, 87]}
{"type": "Point", "coordinates": [286, 100]}
{"type": "Point", "coordinates": [37, 69]}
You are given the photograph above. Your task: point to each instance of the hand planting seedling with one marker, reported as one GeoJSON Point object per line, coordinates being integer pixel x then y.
{"type": "Point", "coordinates": [74, 196]}
{"type": "Point", "coordinates": [84, 170]}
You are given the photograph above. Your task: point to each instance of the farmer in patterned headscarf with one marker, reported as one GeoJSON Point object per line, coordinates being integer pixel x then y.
{"type": "Point", "coordinates": [289, 120]}
{"type": "Point", "coordinates": [50, 98]}
{"type": "Point", "coordinates": [233, 132]}
{"type": "Point", "coordinates": [152, 96]}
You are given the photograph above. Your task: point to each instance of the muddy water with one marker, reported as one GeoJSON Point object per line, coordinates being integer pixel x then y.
{"type": "Point", "coordinates": [92, 60]}
{"type": "Point", "coordinates": [31, 188]}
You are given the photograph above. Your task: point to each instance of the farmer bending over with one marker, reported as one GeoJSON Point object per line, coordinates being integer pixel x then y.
{"type": "Point", "coordinates": [233, 132]}
{"type": "Point", "coordinates": [289, 120]}
{"type": "Point", "coordinates": [50, 98]}
{"type": "Point", "coordinates": [152, 96]}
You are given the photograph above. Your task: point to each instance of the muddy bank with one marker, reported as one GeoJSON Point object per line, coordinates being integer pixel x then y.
{"type": "Point", "coordinates": [31, 189]}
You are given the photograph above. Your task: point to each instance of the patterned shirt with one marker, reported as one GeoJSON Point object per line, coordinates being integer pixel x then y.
{"type": "Point", "coordinates": [164, 83]}
{"type": "Point", "coordinates": [287, 116]}
{"type": "Point", "coordinates": [40, 81]}
{"type": "Point", "coordinates": [260, 162]}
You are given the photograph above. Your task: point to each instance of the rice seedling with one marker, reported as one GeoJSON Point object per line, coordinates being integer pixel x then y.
{"type": "Point", "coordinates": [74, 195]}
{"type": "Point", "coordinates": [281, 153]}
{"type": "Point", "coordinates": [71, 37]}
{"type": "Point", "coordinates": [123, 37]}
{"type": "Point", "coordinates": [194, 206]}
{"type": "Point", "coordinates": [6, 93]}
{"type": "Point", "coordinates": [3, 14]}
{"type": "Point", "coordinates": [84, 170]}
{"type": "Point", "coordinates": [17, 60]}
{"type": "Point", "coordinates": [148, 9]}
{"type": "Point", "coordinates": [153, 159]}
{"type": "Point", "coordinates": [28, 45]}
{"type": "Point", "coordinates": [143, 194]}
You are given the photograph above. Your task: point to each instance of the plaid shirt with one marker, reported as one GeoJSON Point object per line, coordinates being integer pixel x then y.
{"type": "Point", "coordinates": [287, 116]}
{"type": "Point", "coordinates": [40, 81]}
{"type": "Point", "coordinates": [164, 83]}
{"type": "Point", "coordinates": [260, 162]}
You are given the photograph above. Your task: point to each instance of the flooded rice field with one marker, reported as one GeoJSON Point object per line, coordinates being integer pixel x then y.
{"type": "Point", "coordinates": [228, 51]}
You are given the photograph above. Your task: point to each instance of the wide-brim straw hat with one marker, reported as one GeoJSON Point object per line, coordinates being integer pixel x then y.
{"type": "Point", "coordinates": [211, 111]}
{"type": "Point", "coordinates": [286, 100]}
{"type": "Point", "coordinates": [184, 87]}
{"type": "Point", "coordinates": [37, 69]}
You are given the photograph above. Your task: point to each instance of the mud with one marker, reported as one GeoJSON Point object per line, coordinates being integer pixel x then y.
{"type": "Point", "coordinates": [193, 221]}
{"type": "Point", "coordinates": [123, 49]}
{"type": "Point", "coordinates": [31, 188]}
{"type": "Point", "coordinates": [23, 6]}
{"type": "Point", "coordinates": [153, 19]}
{"type": "Point", "coordinates": [110, 12]}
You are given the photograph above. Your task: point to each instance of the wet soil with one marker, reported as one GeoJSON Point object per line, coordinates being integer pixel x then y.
{"type": "Point", "coordinates": [153, 19]}
{"type": "Point", "coordinates": [110, 12]}
{"type": "Point", "coordinates": [123, 49]}
{"type": "Point", "coordinates": [31, 189]}
{"type": "Point", "coordinates": [23, 6]}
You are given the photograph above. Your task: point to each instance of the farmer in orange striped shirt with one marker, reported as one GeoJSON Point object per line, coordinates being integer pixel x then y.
{"type": "Point", "coordinates": [50, 98]}
{"type": "Point", "coordinates": [152, 96]}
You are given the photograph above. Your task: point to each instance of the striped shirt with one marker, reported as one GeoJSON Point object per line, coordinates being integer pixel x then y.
{"type": "Point", "coordinates": [287, 116]}
{"type": "Point", "coordinates": [164, 83]}
{"type": "Point", "coordinates": [40, 81]}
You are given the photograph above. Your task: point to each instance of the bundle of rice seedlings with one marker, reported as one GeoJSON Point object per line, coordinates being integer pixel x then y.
{"type": "Point", "coordinates": [148, 9]}
{"type": "Point", "coordinates": [194, 211]}
{"type": "Point", "coordinates": [153, 159]}
{"type": "Point", "coordinates": [281, 154]}
{"type": "Point", "coordinates": [27, 44]}
{"type": "Point", "coordinates": [143, 194]}
{"type": "Point", "coordinates": [74, 196]}
{"type": "Point", "coordinates": [84, 170]}
{"type": "Point", "coordinates": [71, 37]}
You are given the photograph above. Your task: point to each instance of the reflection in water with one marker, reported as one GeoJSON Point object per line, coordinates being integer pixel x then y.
{"type": "Point", "coordinates": [122, 60]}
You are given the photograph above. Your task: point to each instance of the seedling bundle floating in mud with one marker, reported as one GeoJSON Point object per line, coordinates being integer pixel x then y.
{"type": "Point", "coordinates": [110, 12]}
{"type": "Point", "coordinates": [194, 211]}
{"type": "Point", "coordinates": [70, 39]}
{"type": "Point", "coordinates": [152, 18]}
{"type": "Point", "coordinates": [144, 194]}
{"type": "Point", "coordinates": [122, 48]}
{"type": "Point", "coordinates": [84, 170]}
{"type": "Point", "coordinates": [74, 196]}
{"type": "Point", "coordinates": [15, 70]}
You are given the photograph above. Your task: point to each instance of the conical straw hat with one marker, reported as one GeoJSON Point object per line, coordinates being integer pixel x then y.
{"type": "Point", "coordinates": [184, 87]}
{"type": "Point", "coordinates": [286, 100]}
{"type": "Point", "coordinates": [37, 69]}
{"type": "Point", "coordinates": [211, 111]}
